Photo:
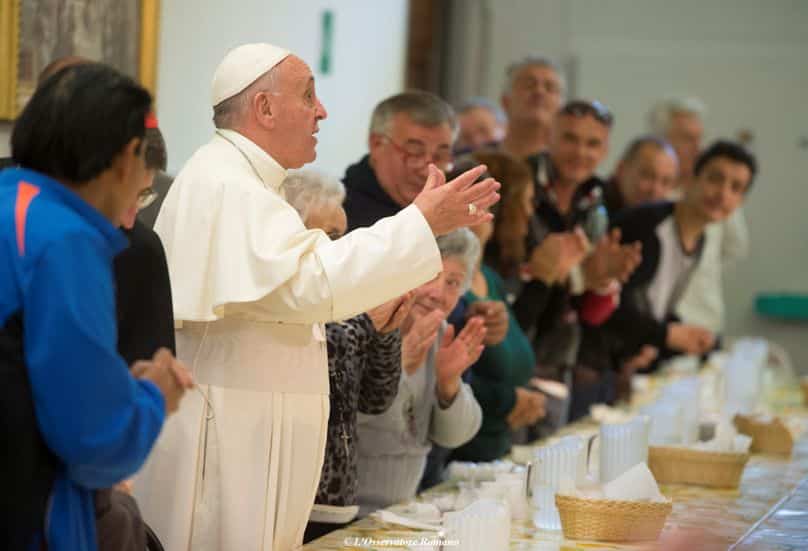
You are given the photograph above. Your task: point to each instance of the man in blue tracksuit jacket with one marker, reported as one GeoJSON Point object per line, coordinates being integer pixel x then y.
{"type": "Point", "coordinates": [72, 416]}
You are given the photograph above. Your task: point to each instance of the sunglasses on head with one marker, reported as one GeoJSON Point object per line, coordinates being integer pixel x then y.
{"type": "Point", "coordinates": [595, 109]}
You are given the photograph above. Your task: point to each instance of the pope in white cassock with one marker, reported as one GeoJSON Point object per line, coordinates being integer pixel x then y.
{"type": "Point", "coordinates": [237, 467]}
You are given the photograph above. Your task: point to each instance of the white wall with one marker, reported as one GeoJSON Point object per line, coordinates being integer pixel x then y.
{"type": "Point", "coordinates": [367, 64]}
{"type": "Point", "coordinates": [369, 40]}
{"type": "Point", "coordinates": [745, 58]}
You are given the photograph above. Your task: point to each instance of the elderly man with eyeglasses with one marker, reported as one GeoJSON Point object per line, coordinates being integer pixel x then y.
{"type": "Point", "coordinates": [407, 132]}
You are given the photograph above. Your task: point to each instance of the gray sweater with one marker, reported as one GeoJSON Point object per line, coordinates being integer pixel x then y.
{"type": "Point", "coordinates": [393, 445]}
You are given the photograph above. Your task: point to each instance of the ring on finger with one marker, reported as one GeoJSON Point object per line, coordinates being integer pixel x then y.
{"type": "Point", "coordinates": [472, 209]}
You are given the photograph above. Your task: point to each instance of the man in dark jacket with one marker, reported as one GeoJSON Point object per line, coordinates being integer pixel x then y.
{"type": "Point", "coordinates": [673, 236]}
{"type": "Point", "coordinates": [569, 195]}
{"type": "Point", "coordinates": [407, 132]}
{"type": "Point", "coordinates": [646, 173]}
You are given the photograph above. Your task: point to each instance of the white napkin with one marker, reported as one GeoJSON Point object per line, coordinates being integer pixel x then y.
{"type": "Point", "coordinates": [741, 443]}
{"type": "Point", "coordinates": [609, 415]}
{"type": "Point", "coordinates": [726, 439]}
{"type": "Point", "coordinates": [636, 484]}
{"type": "Point", "coordinates": [391, 518]}
{"type": "Point", "coordinates": [420, 512]}
{"type": "Point", "coordinates": [553, 388]}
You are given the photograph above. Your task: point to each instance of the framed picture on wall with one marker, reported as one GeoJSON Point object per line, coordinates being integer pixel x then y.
{"type": "Point", "coordinates": [33, 33]}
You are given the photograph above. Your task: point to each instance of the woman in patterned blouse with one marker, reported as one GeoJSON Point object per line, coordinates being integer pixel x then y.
{"type": "Point", "coordinates": [364, 361]}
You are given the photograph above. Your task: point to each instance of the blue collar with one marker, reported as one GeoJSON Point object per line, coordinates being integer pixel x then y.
{"type": "Point", "coordinates": [115, 238]}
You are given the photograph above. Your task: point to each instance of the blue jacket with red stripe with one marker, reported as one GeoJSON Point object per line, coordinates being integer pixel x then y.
{"type": "Point", "coordinates": [97, 421]}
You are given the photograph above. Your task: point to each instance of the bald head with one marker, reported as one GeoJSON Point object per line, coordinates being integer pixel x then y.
{"type": "Point", "coordinates": [647, 172]}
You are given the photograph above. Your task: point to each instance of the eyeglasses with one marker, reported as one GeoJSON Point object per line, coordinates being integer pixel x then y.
{"type": "Point", "coordinates": [146, 198]}
{"type": "Point", "coordinates": [416, 156]}
{"type": "Point", "coordinates": [595, 109]}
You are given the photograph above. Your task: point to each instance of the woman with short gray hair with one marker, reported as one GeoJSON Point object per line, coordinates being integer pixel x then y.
{"type": "Point", "coordinates": [364, 361]}
{"type": "Point", "coordinates": [433, 404]}
{"type": "Point", "coordinates": [314, 196]}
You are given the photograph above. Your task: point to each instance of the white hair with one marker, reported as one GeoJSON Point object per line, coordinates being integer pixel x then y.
{"type": "Point", "coordinates": [463, 245]}
{"type": "Point", "coordinates": [308, 190]}
{"type": "Point", "coordinates": [661, 114]}
{"type": "Point", "coordinates": [228, 114]}
{"type": "Point", "coordinates": [424, 108]}
{"type": "Point", "coordinates": [480, 102]}
{"type": "Point", "coordinates": [533, 61]}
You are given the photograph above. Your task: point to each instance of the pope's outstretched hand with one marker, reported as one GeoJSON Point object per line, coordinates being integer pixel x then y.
{"type": "Point", "coordinates": [448, 206]}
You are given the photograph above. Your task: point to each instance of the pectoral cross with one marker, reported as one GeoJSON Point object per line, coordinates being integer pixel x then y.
{"type": "Point", "coordinates": [345, 437]}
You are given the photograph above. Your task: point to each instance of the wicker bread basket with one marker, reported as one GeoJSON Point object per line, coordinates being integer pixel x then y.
{"type": "Point", "coordinates": [697, 467]}
{"type": "Point", "coordinates": [767, 437]}
{"type": "Point", "coordinates": [611, 520]}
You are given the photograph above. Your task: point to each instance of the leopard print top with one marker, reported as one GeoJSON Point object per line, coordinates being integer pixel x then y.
{"type": "Point", "coordinates": [364, 368]}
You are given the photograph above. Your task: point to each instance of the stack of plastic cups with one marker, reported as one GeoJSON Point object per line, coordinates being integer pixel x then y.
{"type": "Point", "coordinates": [485, 524]}
{"type": "Point", "coordinates": [552, 466]}
{"type": "Point", "coordinates": [687, 393]}
{"type": "Point", "coordinates": [622, 446]}
{"type": "Point", "coordinates": [664, 429]}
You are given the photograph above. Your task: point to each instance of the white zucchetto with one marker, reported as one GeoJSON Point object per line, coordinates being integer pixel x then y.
{"type": "Point", "coordinates": [242, 66]}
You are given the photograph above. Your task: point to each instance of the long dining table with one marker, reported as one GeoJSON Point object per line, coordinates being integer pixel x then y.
{"type": "Point", "coordinates": [768, 511]}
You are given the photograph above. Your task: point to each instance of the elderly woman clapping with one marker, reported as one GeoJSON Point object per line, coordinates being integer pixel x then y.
{"type": "Point", "coordinates": [433, 404]}
{"type": "Point", "coordinates": [364, 361]}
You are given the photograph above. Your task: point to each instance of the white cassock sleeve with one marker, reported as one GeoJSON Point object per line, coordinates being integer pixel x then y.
{"type": "Point", "coordinates": [236, 247]}
{"type": "Point", "coordinates": [336, 280]}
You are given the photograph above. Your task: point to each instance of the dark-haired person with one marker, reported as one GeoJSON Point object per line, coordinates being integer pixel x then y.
{"type": "Point", "coordinates": [568, 195]}
{"type": "Point", "coordinates": [500, 378]}
{"type": "Point", "coordinates": [645, 173]}
{"type": "Point", "coordinates": [145, 316]}
{"type": "Point", "coordinates": [81, 421]}
{"type": "Point", "coordinates": [673, 237]}
{"type": "Point", "coordinates": [145, 325]}
{"type": "Point", "coordinates": [680, 120]}
{"type": "Point", "coordinates": [50, 69]}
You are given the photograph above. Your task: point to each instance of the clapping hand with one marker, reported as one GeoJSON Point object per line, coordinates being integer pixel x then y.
{"type": "Point", "coordinates": [610, 260]}
{"type": "Point", "coordinates": [389, 316]}
{"type": "Point", "coordinates": [690, 339]}
{"type": "Point", "coordinates": [641, 360]}
{"type": "Point", "coordinates": [168, 374]}
{"type": "Point", "coordinates": [417, 338]}
{"type": "Point", "coordinates": [456, 355]}
{"type": "Point", "coordinates": [495, 317]}
{"type": "Point", "coordinates": [574, 248]}
{"type": "Point", "coordinates": [528, 408]}
{"type": "Point", "coordinates": [557, 254]}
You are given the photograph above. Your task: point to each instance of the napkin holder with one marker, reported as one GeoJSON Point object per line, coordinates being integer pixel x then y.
{"type": "Point", "coordinates": [611, 520]}
{"type": "Point", "coordinates": [676, 465]}
{"type": "Point", "coordinates": [770, 436]}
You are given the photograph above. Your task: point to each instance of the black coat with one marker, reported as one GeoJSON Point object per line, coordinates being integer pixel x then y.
{"type": "Point", "coordinates": [145, 314]}
{"type": "Point", "coordinates": [366, 202]}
